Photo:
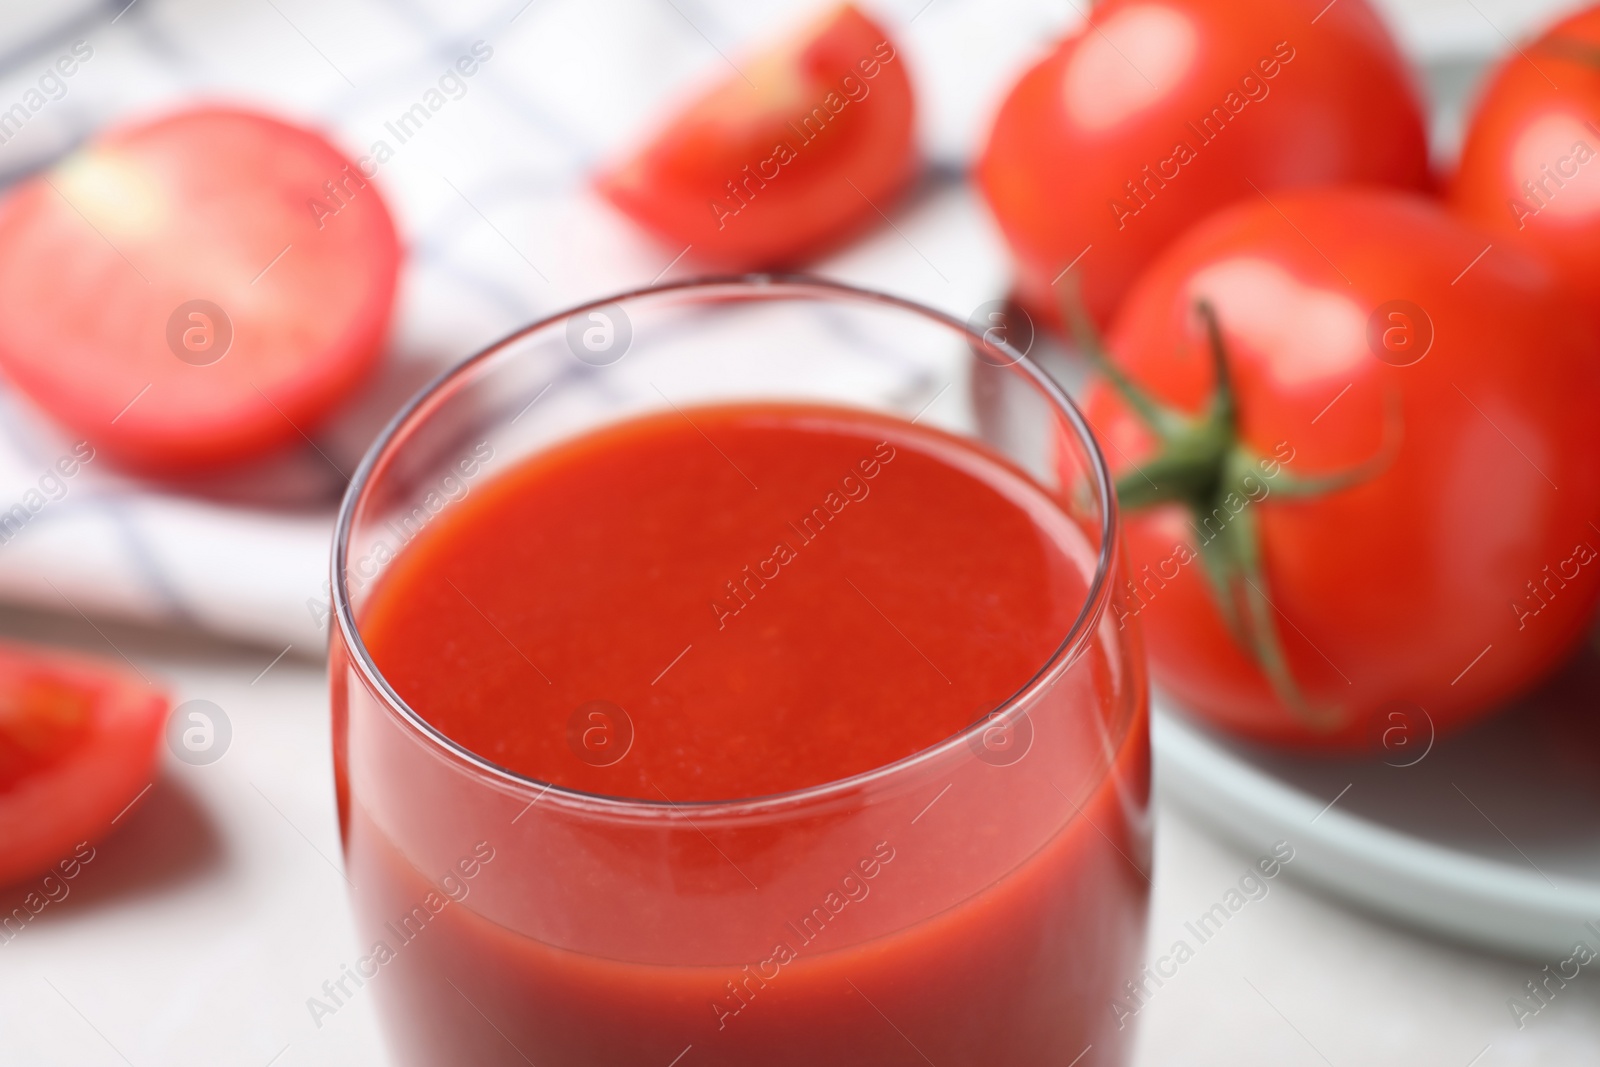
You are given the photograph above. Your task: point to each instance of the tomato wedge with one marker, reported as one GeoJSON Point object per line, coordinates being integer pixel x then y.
{"type": "Point", "coordinates": [771, 171]}
{"type": "Point", "coordinates": [197, 290]}
{"type": "Point", "coordinates": [1530, 166]}
{"type": "Point", "coordinates": [78, 741]}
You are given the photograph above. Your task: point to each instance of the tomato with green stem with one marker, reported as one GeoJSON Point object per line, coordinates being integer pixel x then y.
{"type": "Point", "coordinates": [79, 741]}
{"type": "Point", "coordinates": [800, 149]}
{"type": "Point", "coordinates": [1357, 465]}
{"type": "Point", "coordinates": [1530, 165]}
{"type": "Point", "coordinates": [1155, 113]}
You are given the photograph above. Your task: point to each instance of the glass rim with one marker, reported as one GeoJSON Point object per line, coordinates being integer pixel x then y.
{"type": "Point", "coordinates": [763, 286]}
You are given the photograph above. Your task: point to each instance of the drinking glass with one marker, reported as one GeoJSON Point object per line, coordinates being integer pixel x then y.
{"type": "Point", "coordinates": [980, 902]}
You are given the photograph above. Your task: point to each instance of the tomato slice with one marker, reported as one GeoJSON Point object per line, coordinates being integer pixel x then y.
{"type": "Point", "coordinates": [196, 290]}
{"type": "Point", "coordinates": [78, 741]}
{"type": "Point", "coordinates": [759, 173]}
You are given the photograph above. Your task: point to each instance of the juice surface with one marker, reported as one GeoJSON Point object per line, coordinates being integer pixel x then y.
{"type": "Point", "coordinates": [727, 602]}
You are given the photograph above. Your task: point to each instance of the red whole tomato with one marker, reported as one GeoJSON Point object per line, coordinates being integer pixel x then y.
{"type": "Point", "coordinates": [1159, 112]}
{"type": "Point", "coordinates": [771, 171]}
{"type": "Point", "coordinates": [78, 742]}
{"type": "Point", "coordinates": [1530, 167]}
{"type": "Point", "coordinates": [1386, 512]}
{"type": "Point", "coordinates": [197, 290]}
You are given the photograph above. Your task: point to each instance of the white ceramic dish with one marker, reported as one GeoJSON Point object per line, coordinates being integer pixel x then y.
{"type": "Point", "coordinates": [1491, 837]}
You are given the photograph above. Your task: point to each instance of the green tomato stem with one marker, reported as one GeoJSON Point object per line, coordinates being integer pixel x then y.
{"type": "Point", "coordinates": [1201, 465]}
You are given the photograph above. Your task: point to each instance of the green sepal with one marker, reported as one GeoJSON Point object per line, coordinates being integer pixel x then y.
{"type": "Point", "coordinates": [1200, 463]}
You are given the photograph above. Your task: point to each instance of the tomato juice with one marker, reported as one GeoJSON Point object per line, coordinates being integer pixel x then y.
{"type": "Point", "coordinates": [744, 649]}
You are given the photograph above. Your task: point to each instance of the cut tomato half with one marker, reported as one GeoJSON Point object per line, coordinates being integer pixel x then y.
{"type": "Point", "coordinates": [197, 290]}
{"type": "Point", "coordinates": [78, 742]}
{"type": "Point", "coordinates": [790, 156]}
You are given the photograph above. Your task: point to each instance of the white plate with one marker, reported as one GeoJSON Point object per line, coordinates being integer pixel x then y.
{"type": "Point", "coordinates": [1491, 838]}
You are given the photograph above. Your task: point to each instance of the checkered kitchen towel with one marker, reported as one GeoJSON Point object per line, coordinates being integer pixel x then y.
{"type": "Point", "coordinates": [491, 199]}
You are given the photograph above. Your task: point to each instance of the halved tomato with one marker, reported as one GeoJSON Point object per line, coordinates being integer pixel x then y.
{"type": "Point", "coordinates": [78, 741]}
{"type": "Point", "coordinates": [196, 290]}
{"type": "Point", "coordinates": [777, 163]}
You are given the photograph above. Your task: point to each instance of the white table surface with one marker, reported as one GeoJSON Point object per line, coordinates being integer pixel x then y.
{"type": "Point", "coordinates": [204, 923]}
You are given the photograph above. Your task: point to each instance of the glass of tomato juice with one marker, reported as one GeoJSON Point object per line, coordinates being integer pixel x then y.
{"type": "Point", "coordinates": [722, 674]}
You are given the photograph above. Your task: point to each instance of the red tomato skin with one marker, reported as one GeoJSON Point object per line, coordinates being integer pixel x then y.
{"type": "Point", "coordinates": [236, 188]}
{"type": "Point", "coordinates": [1419, 583]}
{"type": "Point", "coordinates": [714, 179]}
{"type": "Point", "coordinates": [45, 815]}
{"type": "Point", "coordinates": [1527, 130]}
{"type": "Point", "coordinates": [1339, 107]}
